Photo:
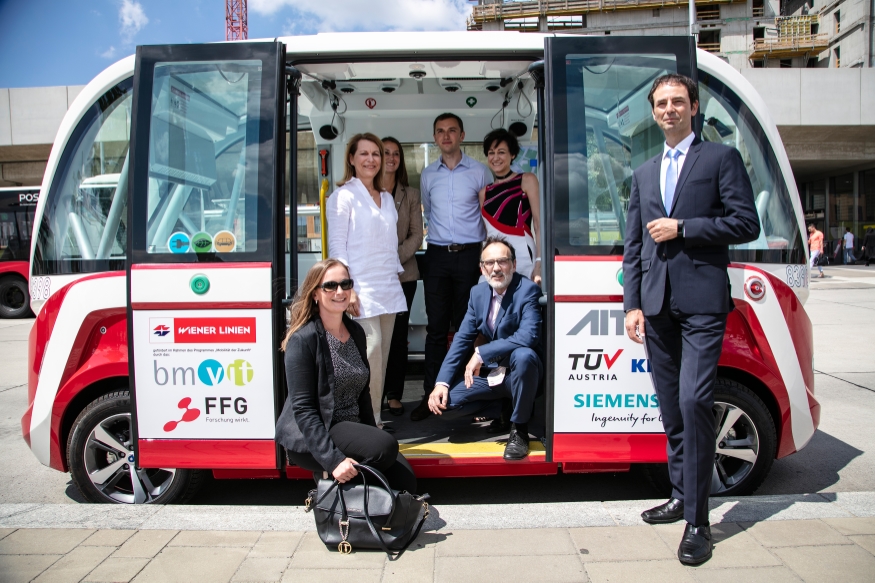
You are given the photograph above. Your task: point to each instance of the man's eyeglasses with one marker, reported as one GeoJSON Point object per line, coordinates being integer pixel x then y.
{"type": "Point", "coordinates": [490, 263]}
{"type": "Point", "coordinates": [331, 286]}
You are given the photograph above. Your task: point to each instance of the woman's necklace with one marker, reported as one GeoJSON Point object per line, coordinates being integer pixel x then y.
{"type": "Point", "coordinates": [508, 175]}
{"type": "Point", "coordinates": [337, 333]}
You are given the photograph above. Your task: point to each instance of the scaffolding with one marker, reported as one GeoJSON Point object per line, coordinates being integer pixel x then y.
{"type": "Point", "coordinates": [794, 36]}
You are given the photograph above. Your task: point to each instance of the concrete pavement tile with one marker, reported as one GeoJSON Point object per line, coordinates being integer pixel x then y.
{"type": "Point", "coordinates": [626, 513]}
{"type": "Point", "coordinates": [475, 543]}
{"type": "Point", "coordinates": [183, 517]}
{"type": "Point", "coordinates": [856, 503]}
{"type": "Point", "coordinates": [619, 543]}
{"type": "Point", "coordinates": [795, 533]}
{"type": "Point", "coordinates": [733, 547]}
{"type": "Point", "coordinates": [845, 563]}
{"type": "Point", "coordinates": [509, 568]}
{"type": "Point", "coordinates": [650, 571]}
{"type": "Point", "coordinates": [75, 565]}
{"type": "Point", "coordinates": [43, 541]}
{"type": "Point", "coordinates": [774, 507]}
{"type": "Point", "coordinates": [276, 544]}
{"type": "Point", "coordinates": [24, 568]}
{"type": "Point", "coordinates": [261, 569]}
{"type": "Point", "coordinates": [108, 538]}
{"type": "Point", "coordinates": [867, 541]}
{"type": "Point", "coordinates": [4, 532]}
{"type": "Point", "coordinates": [332, 575]}
{"type": "Point", "coordinates": [415, 565]}
{"type": "Point", "coordinates": [510, 516]}
{"type": "Point", "coordinates": [313, 554]}
{"type": "Point", "coordinates": [226, 538]}
{"type": "Point", "coordinates": [193, 565]}
{"type": "Point", "coordinates": [146, 543]}
{"type": "Point", "coordinates": [848, 526]}
{"type": "Point", "coordinates": [748, 575]}
{"type": "Point", "coordinates": [115, 570]}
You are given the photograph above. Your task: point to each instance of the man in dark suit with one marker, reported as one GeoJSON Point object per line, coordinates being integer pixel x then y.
{"type": "Point", "coordinates": [687, 206]}
{"type": "Point", "coordinates": [500, 338]}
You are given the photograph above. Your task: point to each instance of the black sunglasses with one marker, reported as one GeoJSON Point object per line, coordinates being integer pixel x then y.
{"type": "Point", "coordinates": [331, 286]}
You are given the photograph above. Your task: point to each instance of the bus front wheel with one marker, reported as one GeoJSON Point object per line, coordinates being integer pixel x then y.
{"type": "Point", "coordinates": [746, 443]}
{"type": "Point", "coordinates": [14, 297]}
{"type": "Point", "coordinates": [100, 455]}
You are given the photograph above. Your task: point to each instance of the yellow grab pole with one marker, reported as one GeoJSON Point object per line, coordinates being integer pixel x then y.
{"type": "Point", "coordinates": [323, 222]}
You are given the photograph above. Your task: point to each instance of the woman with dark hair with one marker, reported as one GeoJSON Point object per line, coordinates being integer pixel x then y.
{"type": "Point", "coordinates": [362, 235]}
{"type": "Point", "coordinates": [408, 204]}
{"type": "Point", "coordinates": [511, 205]}
{"type": "Point", "coordinates": [327, 423]}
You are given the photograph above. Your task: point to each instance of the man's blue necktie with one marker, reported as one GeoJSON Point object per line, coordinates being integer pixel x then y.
{"type": "Point", "coordinates": [671, 179]}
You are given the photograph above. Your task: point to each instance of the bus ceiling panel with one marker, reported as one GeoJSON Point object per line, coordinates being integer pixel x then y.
{"type": "Point", "coordinates": [409, 69]}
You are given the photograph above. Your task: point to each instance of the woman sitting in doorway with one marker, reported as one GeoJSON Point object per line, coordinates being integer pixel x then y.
{"type": "Point", "coordinates": [327, 423]}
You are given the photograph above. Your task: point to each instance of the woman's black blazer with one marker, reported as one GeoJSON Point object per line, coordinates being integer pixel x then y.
{"type": "Point", "coordinates": [306, 417]}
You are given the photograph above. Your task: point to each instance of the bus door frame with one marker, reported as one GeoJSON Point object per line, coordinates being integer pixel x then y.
{"type": "Point", "coordinates": [553, 102]}
{"type": "Point", "coordinates": [272, 126]}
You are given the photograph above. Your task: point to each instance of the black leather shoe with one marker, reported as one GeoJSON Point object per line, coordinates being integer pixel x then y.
{"type": "Point", "coordinates": [695, 547]}
{"type": "Point", "coordinates": [671, 511]}
{"type": "Point", "coordinates": [517, 446]}
{"type": "Point", "coordinates": [420, 412]}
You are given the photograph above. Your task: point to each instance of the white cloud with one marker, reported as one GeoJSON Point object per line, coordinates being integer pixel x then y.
{"type": "Point", "coordinates": [374, 15]}
{"type": "Point", "coordinates": [132, 18]}
{"type": "Point", "coordinates": [108, 53]}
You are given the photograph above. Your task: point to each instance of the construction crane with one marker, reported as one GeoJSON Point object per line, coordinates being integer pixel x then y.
{"type": "Point", "coordinates": [236, 26]}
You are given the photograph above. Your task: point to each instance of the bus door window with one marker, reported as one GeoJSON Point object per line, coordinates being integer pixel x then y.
{"type": "Point", "coordinates": [618, 132]}
{"type": "Point", "coordinates": [78, 233]}
{"type": "Point", "coordinates": [9, 243]}
{"type": "Point", "coordinates": [727, 121]}
{"type": "Point", "coordinates": [203, 157]}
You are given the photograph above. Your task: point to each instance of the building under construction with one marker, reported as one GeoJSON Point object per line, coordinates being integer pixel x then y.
{"type": "Point", "coordinates": [746, 33]}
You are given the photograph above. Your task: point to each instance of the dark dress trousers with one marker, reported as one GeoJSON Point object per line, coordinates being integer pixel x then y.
{"type": "Point", "coordinates": [682, 286]}
{"type": "Point", "coordinates": [305, 426]}
{"type": "Point", "coordinates": [515, 344]}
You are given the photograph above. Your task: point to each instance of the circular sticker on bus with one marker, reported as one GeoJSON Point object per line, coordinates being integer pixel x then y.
{"type": "Point", "coordinates": [202, 242]}
{"type": "Point", "coordinates": [179, 243]}
{"type": "Point", "coordinates": [224, 242]}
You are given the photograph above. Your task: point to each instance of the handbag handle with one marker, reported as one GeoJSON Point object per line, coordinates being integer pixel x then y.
{"type": "Point", "coordinates": [336, 483]}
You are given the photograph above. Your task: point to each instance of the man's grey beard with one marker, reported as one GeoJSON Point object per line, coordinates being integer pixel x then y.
{"type": "Point", "coordinates": [500, 286]}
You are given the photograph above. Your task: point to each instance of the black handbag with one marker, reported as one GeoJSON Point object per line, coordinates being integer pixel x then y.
{"type": "Point", "coordinates": [366, 516]}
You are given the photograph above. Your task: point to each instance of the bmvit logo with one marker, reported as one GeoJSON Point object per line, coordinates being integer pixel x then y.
{"type": "Point", "coordinates": [209, 372]}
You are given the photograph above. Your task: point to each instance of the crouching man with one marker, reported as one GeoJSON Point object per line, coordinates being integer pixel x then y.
{"type": "Point", "coordinates": [500, 337]}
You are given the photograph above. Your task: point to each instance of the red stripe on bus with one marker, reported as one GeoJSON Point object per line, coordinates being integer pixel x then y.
{"type": "Point", "coordinates": [201, 306]}
{"type": "Point", "coordinates": [595, 298]}
{"type": "Point", "coordinates": [609, 447]}
{"type": "Point", "coordinates": [241, 454]}
{"type": "Point", "coordinates": [254, 264]}
{"type": "Point", "coordinates": [589, 258]}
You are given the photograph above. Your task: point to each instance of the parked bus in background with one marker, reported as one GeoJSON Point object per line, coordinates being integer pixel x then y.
{"type": "Point", "coordinates": [168, 241]}
{"type": "Point", "coordinates": [17, 207]}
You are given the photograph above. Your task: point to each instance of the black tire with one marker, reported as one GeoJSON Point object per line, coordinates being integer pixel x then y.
{"type": "Point", "coordinates": [735, 474]}
{"type": "Point", "coordinates": [100, 458]}
{"type": "Point", "coordinates": [14, 297]}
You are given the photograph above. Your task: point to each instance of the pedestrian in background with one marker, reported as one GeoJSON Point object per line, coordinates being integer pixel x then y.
{"type": "Point", "coordinates": [815, 248]}
{"type": "Point", "coordinates": [869, 245]}
{"type": "Point", "coordinates": [849, 247]}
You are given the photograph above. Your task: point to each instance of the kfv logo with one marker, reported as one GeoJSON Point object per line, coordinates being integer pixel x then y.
{"type": "Point", "coordinates": [599, 322]}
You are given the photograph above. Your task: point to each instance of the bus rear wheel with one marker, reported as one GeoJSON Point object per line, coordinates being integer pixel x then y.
{"type": "Point", "coordinates": [14, 297]}
{"type": "Point", "coordinates": [746, 443]}
{"type": "Point", "coordinates": [101, 459]}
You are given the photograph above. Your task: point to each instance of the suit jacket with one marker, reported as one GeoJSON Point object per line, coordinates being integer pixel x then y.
{"type": "Point", "coordinates": [409, 206]}
{"type": "Point", "coordinates": [715, 199]}
{"type": "Point", "coordinates": [518, 325]}
{"type": "Point", "coordinates": [306, 417]}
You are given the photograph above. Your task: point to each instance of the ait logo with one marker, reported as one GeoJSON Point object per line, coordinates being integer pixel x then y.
{"type": "Point", "coordinates": [161, 330]}
{"type": "Point", "coordinates": [189, 415]}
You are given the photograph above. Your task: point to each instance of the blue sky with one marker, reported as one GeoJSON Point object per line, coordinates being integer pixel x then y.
{"type": "Point", "coordinates": [68, 42]}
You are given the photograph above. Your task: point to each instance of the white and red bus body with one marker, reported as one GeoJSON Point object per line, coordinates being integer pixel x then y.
{"type": "Point", "coordinates": [146, 245]}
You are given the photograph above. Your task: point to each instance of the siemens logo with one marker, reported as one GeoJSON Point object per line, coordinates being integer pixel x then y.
{"type": "Point", "coordinates": [607, 400]}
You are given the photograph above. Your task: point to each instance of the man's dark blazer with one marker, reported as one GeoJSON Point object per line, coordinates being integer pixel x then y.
{"type": "Point", "coordinates": [518, 325]}
{"type": "Point", "coordinates": [715, 200]}
{"type": "Point", "coordinates": [303, 425]}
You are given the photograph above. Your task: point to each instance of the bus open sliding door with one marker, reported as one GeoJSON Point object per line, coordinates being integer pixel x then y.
{"type": "Point", "coordinates": [603, 412]}
{"type": "Point", "coordinates": [206, 255]}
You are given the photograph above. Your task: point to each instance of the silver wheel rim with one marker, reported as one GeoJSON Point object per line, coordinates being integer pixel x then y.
{"type": "Point", "coordinates": [111, 465]}
{"type": "Point", "coordinates": [738, 447]}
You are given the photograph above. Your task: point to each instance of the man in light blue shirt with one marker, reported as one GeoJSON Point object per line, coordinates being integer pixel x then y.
{"type": "Point", "coordinates": [455, 232]}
